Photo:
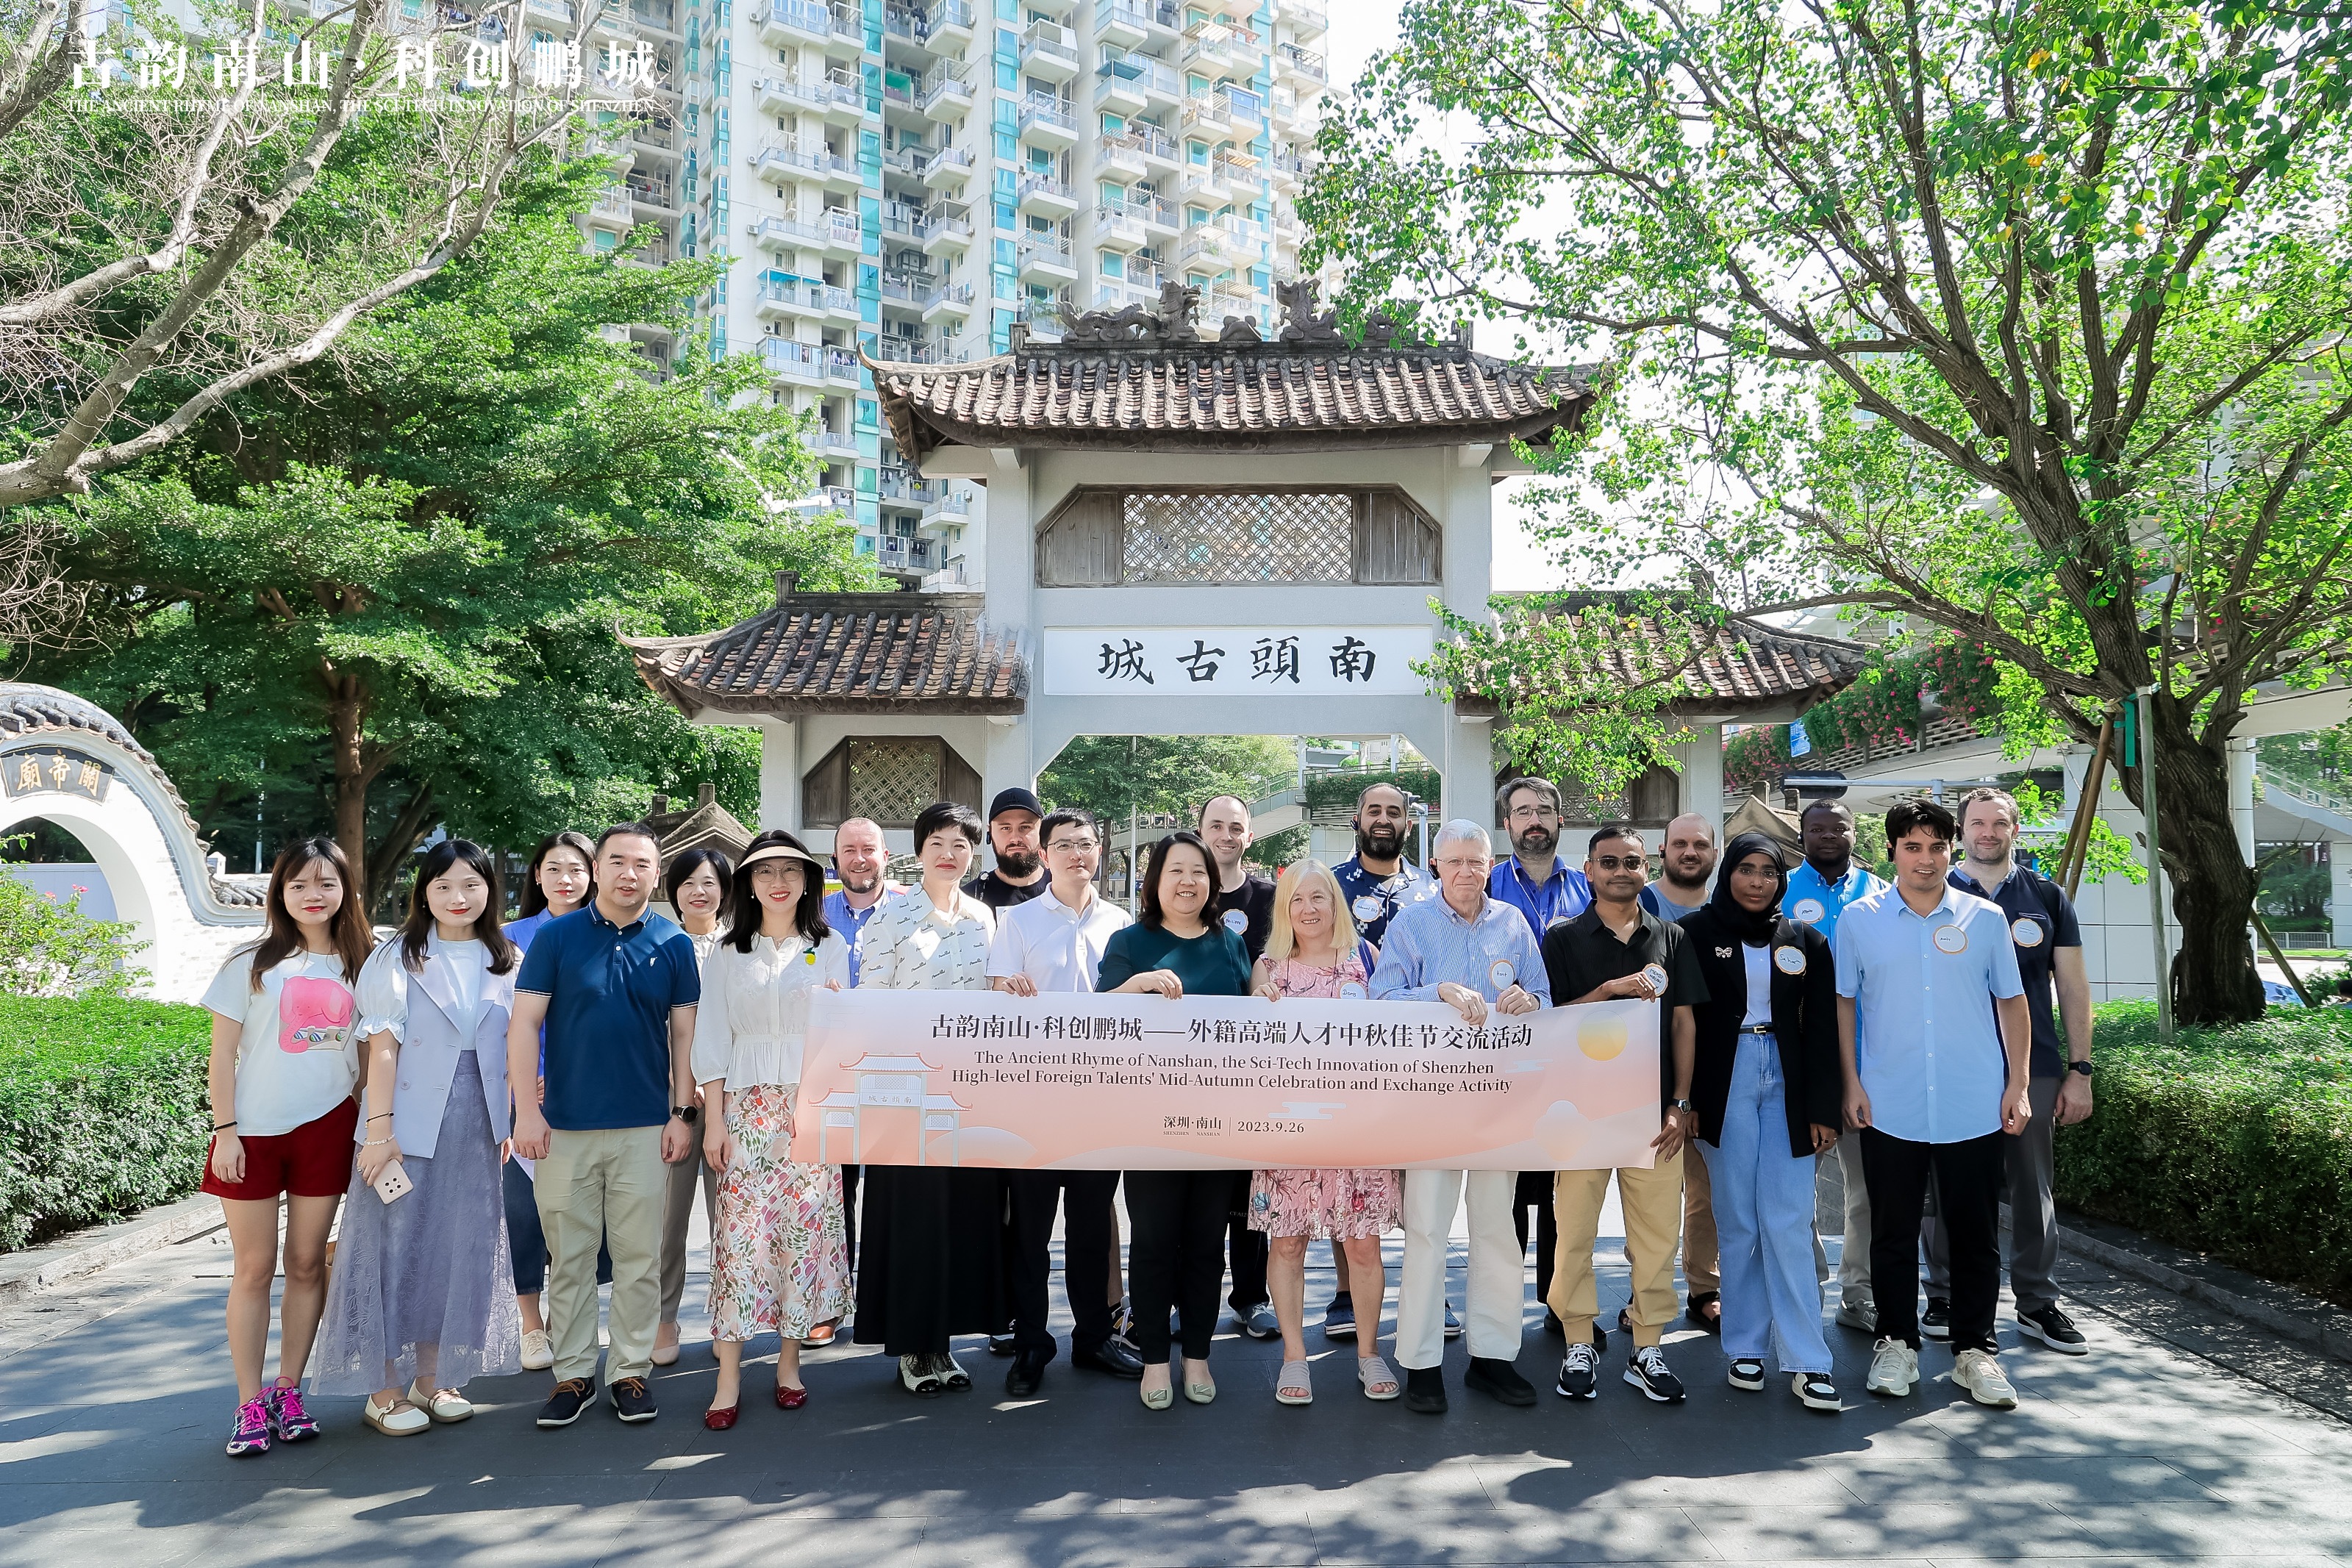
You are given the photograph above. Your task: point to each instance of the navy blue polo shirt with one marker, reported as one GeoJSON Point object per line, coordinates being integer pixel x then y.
{"type": "Point", "coordinates": [2041, 921]}
{"type": "Point", "coordinates": [609, 993]}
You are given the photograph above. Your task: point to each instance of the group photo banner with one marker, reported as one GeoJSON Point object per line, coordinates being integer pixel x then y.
{"type": "Point", "coordinates": [1085, 1081]}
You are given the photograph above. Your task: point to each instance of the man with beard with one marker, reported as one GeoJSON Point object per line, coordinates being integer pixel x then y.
{"type": "Point", "coordinates": [1819, 891]}
{"type": "Point", "coordinates": [1687, 864]}
{"type": "Point", "coordinates": [1377, 881]}
{"type": "Point", "coordinates": [1244, 904]}
{"type": "Point", "coordinates": [1019, 874]}
{"type": "Point", "coordinates": [859, 858]}
{"type": "Point", "coordinates": [1539, 885]}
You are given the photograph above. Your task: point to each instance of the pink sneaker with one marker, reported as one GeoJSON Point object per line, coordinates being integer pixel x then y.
{"type": "Point", "coordinates": [251, 1433]}
{"type": "Point", "coordinates": [288, 1421]}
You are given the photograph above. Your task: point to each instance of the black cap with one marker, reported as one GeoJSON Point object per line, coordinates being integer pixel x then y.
{"type": "Point", "coordinates": [1015, 799]}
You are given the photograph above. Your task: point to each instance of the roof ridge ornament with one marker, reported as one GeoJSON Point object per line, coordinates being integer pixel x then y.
{"type": "Point", "coordinates": [1302, 324]}
{"type": "Point", "coordinates": [1134, 325]}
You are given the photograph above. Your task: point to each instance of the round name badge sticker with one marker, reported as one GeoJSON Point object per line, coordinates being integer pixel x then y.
{"type": "Point", "coordinates": [1351, 992]}
{"type": "Point", "coordinates": [1809, 911]}
{"type": "Point", "coordinates": [1656, 975]}
{"type": "Point", "coordinates": [1366, 906]}
{"type": "Point", "coordinates": [1236, 922]}
{"type": "Point", "coordinates": [1789, 960]}
{"type": "Point", "coordinates": [1950, 939]}
{"type": "Point", "coordinates": [1499, 974]}
{"type": "Point", "coordinates": [2027, 931]}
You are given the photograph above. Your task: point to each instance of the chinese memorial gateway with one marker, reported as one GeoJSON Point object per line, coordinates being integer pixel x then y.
{"type": "Point", "coordinates": [1186, 535]}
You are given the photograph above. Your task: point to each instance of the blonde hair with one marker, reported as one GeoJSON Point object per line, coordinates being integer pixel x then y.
{"type": "Point", "coordinates": [1281, 941]}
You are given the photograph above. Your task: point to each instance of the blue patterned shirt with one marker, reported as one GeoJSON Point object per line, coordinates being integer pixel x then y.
{"type": "Point", "coordinates": [1562, 895]}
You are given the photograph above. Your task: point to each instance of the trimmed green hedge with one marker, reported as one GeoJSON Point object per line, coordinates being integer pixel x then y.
{"type": "Point", "coordinates": [103, 1111]}
{"type": "Point", "coordinates": [2236, 1142]}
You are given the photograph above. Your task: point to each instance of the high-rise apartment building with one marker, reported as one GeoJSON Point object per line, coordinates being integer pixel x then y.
{"type": "Point", "coordinates": [914, 179]}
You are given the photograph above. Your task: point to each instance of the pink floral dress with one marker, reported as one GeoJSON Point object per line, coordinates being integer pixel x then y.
{"type": "Point", "coordinates": [1346, 1205]}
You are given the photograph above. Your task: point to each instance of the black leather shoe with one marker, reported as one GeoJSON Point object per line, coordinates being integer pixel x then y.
{"type": "Point", "coordinates": [1027, 1371]}
{"type": "Point", "coordinates": [1000, 1344]}
{"type": "Point", "coordinates": [1500, 1381]}
{"type": "Point", "coordinates": [1117, 1358]}
{"type": "Point", "coordinates": [1424, 1390]}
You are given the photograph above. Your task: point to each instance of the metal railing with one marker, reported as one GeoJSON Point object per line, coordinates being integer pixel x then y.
{"type": "Point", "coordinates": [1045, 184]}
{"type": "Point", "coordinates": [1143, 143]}
{"type": "Point", "coordinates": [1050, 38]}
{"type": "Point", "coordinates": [1306, 62]}
{"type": "Point", "coordinates": [831, 229]}
{"type": "Point", "coordinates": [942, 226]}
{"type": "Point", "coordinates": [1039, 110]}
{"type": "Point", "coordinates": [1138, 13]}
{"type": "Point", "coordinates": [1038, 253]}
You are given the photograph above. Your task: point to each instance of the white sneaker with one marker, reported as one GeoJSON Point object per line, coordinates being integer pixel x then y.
{"type": "Point", "coordinates": [1978, 1372]}
{"type": "Point", "coordinates": [1893, 1369]}
{"type": "Point", "coordinates": [538, 1350]}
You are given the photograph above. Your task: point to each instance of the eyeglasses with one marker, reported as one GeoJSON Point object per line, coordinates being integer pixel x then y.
{"type": "Point", "coordinates": [1534, 814]}
{"type": "Point", "coordinates": [1072, 846]}
{"type": "Point", "coordinates": [1611, 862]}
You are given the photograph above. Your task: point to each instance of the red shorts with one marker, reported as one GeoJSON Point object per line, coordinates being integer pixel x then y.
{"type": "Point", "coordinates": [314, 1160]}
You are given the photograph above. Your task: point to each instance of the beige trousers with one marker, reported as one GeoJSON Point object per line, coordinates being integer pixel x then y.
{"type": "Point", "coordinates": [605, 1186]}
{"type": "Point", "coordinates": [1652, 1202]}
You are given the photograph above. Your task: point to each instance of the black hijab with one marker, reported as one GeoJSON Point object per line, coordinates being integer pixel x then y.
{"type": "Point", "coordinates": [1754, 928]}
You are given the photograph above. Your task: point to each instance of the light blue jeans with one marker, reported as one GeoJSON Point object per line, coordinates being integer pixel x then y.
{"type": "Point", "coordinates": [1764, 1219]}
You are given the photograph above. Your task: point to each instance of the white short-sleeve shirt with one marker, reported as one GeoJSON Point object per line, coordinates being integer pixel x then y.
{"type": "Point", "coordinates": [1059, 948]}
{"type": "Point", "coordinates": [296, 1055]}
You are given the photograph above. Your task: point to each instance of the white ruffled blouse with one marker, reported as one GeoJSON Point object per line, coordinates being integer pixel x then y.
{"type": "Point", "coordinates": [383, 989]}
{"type": "Point", "coordinates": [753, 1021]}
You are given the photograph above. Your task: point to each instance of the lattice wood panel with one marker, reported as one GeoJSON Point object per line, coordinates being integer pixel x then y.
{"type": "Point", "coordinates": [893, 781]}
{"type": "Point", "coordinates": [1174, 537]}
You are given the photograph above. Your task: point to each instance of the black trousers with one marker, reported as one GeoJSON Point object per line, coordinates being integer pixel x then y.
{"type": "Point", "coordinates": [1534, 1191]}
{"type": "Point", "coordinates": [1084, 1199]}
{"type": "Point", "coordinates": [1176, 1256]}
{"type": "Point", "coordinates": [1246, 1250]}
{"type": "Point", "coordinates": [849, 1210]}
{"type": "Point", "coordinates": [1967, 1185]}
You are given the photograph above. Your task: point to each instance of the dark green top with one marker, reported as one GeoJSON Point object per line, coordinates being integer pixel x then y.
{"type": "Point", "coordinates": [1213, 965]}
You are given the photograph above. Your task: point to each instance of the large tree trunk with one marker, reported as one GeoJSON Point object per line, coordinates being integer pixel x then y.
{"type": "Point", "coordinates": [391, 851]}
{"type": "Point", "coordinates": [2214, 979]}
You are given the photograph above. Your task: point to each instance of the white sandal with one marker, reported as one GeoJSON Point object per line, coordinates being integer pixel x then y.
{"type": "Point", "coordinates": [1295, 1386]}
{"type": "Point", "coordinates": [400, 1420]}
{"type": "Point", "coordinates": [1374, 1374]}
{"type": "Point", "coordinates": [445, 1406]}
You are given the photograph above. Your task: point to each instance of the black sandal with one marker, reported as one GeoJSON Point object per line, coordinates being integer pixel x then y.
{"type": "Point", "coordinates": [1696, 1310]}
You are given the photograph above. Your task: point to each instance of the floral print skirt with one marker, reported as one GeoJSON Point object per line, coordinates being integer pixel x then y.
{"type": "Point", "coordinates": [1342, 1204]}
{"type": "Point", "coordinates": [780, 1258]}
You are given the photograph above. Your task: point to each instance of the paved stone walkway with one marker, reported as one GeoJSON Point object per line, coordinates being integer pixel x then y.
{"type": "Point", "coordinates": [114, 1399]}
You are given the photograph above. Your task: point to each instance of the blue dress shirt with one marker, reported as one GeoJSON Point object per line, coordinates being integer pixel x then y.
{"type": "Point", "coordinates": [851, 923]}
{"type": "Point", "coordinates": [1808, 888]}
{"type": "Point", "coordinates": [1562, 895]}
{"type": "Point", "coordinates": [1429, 946]}
{"type": "Point", "coordinates": [1926, 1046]}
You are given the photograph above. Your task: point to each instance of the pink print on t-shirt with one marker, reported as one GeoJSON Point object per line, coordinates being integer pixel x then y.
{"type": "Point", "coordinates": [312, 1014]}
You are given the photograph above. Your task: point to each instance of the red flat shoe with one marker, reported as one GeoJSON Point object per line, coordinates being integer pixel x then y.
{"type": "Point", "coordinates": [790, 1399]}
{"type": "Point", "coordinates": [721, 1420]}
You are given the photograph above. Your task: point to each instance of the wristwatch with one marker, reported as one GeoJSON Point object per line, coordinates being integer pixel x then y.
{"type": "Point", "coordinates": [686, 1113]}
{"type": "Point", "coordinates": [2082, 1067]}
{"type": "Point", "coordinates": [1684, 1105]}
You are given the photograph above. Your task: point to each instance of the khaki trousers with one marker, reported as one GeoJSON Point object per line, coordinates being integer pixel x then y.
{"type": "Point", "coordinates": [1652, 1202]}
{"type": "Point", "coordinates": [1702, 1259]}
{"type": "Point", "coordinates": [606, 1187]}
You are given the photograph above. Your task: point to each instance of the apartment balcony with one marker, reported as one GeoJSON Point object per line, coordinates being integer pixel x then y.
{"type": "Point", "coordinates": [907, 288]}
{"type": "Point", "coordinates": [950, 506]}
{"type": "Point", "coordinates": [826, 498]}
{"type": "Point", "coordinates": [946, 167]}
{"type": "Point", "coordinates": [841, 367]}
{"type": "Point", "coordinates": [1208, 245]}
{"type": "Point", "coordinates": [787, 163]}
{"type": "Point", "coordinates": [1060, 10]}
{"type": "Point", "coordinates": [1044, 318]}
{"type": "Point", "coordinates": [1123, 225]}
{"type": "Point", "coordinates": [1119, 87]}
{"type": "Point", "coordinates": [1307, 18]}
{"type": "Point", "coordinates": [901, 484]}
{"type": "Point", "coordinates": [1049, 52]}
{"type": "Point", "coordinates": [1236, 170]}
{"type": "Point", "coordinates": [784, 23]}
{"type": "Point", "coordinates": [1052, 265]}
{"type": "Point", "coordinates": [1207, 115]}
{"type": "Point", "coordinates": [900, 555]}
{"type": "Point", "coordinates": [1206, 187]}
{"type": "Point", "coordinates": [657, 15]}
{"type": "Point", "coordinates": [789, 360]}
{"type": "Point", "coordinates": [1140, 287]}
{"type": "Point", "coordinates": [1287, 168]}
{"type": "Point", "coordinates": [1121, 155]}
{"type": "Point", "coordinates": [1046, 197]}
{"type": "Point", "coordinates": [1282, 108]}
{"type": "Point", "coordinates": [779, 301]}
{"type": "Point", "coordinates": [902, 223]}
{"type": "Point", "coordinates": [1246, 231]}
{"type": "Point", "coordinates": [1245, 111]}
{"type": "Point", "coordinates": [1048, 122]}
{"type": "Point", "coordinates": [831, 233]}
{"type": "Point", "coordinates": [1298, 64]}
{"type": "Point", "coordinates": [946, 98]}
{"type": "Point", "coordinates": [1132, 23]}
{"type": "Point", "coordinates": [945, 236]}
{"type": "Point", "coordinates": [951, 24]}
{"type": "Point", "coordinates": [839, 446]}
{"type": "Point", "coordinates": [657, 197]}
{"type": "Point", "coordinates": [554, 10]}
{"type": "Point", "coordinates": [906, 162]}
{"type": "Point", "coordinates": [613, 202]}
{"type": "Point", "coordinates": [1214, 50]}
{"type": "Point", "coordinates": [946, 303]}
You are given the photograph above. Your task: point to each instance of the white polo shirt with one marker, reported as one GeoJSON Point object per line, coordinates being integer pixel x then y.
{"type": "Point", "coordinates": [1059, 948]}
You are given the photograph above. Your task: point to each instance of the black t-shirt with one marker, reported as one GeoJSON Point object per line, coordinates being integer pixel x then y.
{"type": "Point", "coordinates": [2041, 921]}
{"type": "Point", "coordinates": [1582, 955]}
{"type": "Point", "coordinates": [1253, 900]}
{"type": "Point", "coordinates": [998, 894]}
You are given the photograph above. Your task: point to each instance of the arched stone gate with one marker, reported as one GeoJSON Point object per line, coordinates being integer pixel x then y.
{"type": "Point", "coordinates": [70, 762]}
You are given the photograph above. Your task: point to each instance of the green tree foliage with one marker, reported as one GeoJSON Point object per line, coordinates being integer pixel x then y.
{"type": "Point", "coordinates": [1173, 775]}
{"type": "Point", "coordinates": [387, 595]}
{"type": "Point", "coordinates": [2022, 321]}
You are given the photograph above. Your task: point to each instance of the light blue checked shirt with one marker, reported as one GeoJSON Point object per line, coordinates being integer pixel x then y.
{"type": "Point", "coordinates": [1926, 1043]}
{"type": "Point", "coordinates": [1428, 944]}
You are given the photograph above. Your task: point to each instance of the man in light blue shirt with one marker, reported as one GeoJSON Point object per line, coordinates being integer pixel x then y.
{"type": "Point", "coordinates": [1470, 952]}
{"type": "Point", "coordinates": [1534, 881]}
{"type": "Point", "coordinates": [1935, 1081]}
{"type": "Point", "coordinates": [1819, 891]}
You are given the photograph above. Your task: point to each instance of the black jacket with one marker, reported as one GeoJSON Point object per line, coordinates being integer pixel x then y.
{"type": "Point", "coordinates": [1804, 1022]}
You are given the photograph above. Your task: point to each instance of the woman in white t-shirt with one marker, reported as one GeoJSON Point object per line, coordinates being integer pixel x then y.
{"type": "Point", "coordinates": [283, 1063]}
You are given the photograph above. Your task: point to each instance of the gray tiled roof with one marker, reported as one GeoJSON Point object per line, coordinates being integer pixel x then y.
{"type": "Point", "coordinates": [1731, 667]}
